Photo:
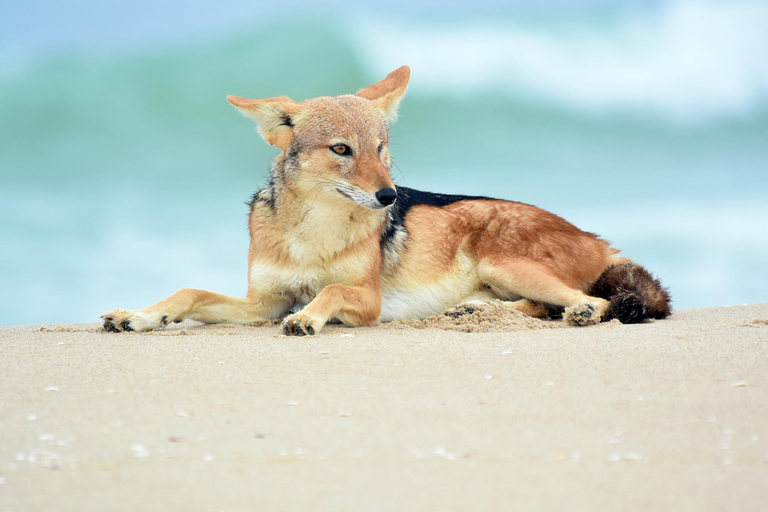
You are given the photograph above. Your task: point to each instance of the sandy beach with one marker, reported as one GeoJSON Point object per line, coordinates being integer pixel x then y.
{"type": "Point", "coordinates": [670, 415]}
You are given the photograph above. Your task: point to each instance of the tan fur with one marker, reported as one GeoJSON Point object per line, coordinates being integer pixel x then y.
{"type": "Point", "coordinates": [388, 93]}
{"type": "Point", "coordinates": [316, 230]}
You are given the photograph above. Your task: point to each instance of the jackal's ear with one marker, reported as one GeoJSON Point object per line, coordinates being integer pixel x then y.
{"type": "Point", "coordinates": [273, 115]}
{"type": "Point", "coordinates": [387, 93]}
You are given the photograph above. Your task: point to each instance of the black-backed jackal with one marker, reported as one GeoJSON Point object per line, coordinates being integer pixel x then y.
{"type": "Point", "coordinates": [332, 237]}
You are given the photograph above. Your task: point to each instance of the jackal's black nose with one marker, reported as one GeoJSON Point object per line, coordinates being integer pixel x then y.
{"type": "Point", "coordinates": [386, 196]}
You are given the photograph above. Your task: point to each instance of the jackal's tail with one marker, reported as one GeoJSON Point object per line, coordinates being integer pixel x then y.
{"type": "Point", "coordinates": [635, 295]}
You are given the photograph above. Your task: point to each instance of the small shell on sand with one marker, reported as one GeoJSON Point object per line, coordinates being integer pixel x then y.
{"type": "Point", "coordinates": [52, 388]}
{"type": "Point", "coordinates": [441, 452]}
{"type": "Point", "coordinates": [139, 451]}
{"type": "Point", "coordinates": [739, 384]}
{"type": "Point", "coordinates": [632, 456]}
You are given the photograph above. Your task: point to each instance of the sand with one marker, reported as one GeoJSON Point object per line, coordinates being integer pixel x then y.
{"type": "Point", "coordinates": [670, 415]}
{"type": "Point", "coordinates": [491, 316]}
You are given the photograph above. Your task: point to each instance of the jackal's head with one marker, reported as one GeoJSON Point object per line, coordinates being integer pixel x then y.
{"type": "Point", "coordinates": [334, 148]}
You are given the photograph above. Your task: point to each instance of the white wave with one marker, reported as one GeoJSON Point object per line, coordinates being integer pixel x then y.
{"type": "Point", "coordinates": [689, 60]}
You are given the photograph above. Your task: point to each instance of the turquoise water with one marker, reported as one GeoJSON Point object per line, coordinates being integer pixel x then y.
{"type": "Point", "coordinates": [123, 177]}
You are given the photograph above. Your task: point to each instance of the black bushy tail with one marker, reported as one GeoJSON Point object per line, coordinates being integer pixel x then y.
{"type": "Point", "coordinates": [635, 295]}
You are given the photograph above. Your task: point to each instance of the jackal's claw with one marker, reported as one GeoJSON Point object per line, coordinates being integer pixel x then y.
{"type": "Point", "coordinates": [121, 320]}
{"type": "Point", "coordinates": [297, 327]}
{"type": "Point", "coordinates": [581, 315]}
{"type": "Point", "coordinates": [116, 321]}
{"type": "Point", "coordinates": [460, 310]}
{"type": "Point", "coordinates": [109, 323]}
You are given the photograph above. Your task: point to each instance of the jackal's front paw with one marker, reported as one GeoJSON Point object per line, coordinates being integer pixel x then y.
{"type": "Point", "coordinates": [300, 324]}
{"type": "Point", "coordinates": [581, 315]}
{"type": "Point", "coordinates": [121, 320]}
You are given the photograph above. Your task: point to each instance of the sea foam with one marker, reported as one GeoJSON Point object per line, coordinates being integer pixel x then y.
{"type": "Point", "coordinates": [688, 60]}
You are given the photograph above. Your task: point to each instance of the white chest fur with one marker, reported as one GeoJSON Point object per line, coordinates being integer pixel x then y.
{"type": "Point", "coordinates": [323, 230]}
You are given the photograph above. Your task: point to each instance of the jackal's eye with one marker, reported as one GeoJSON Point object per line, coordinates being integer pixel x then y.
{"type": "Point", "coordinates": [342, 149]}
{"type": "Point", "coordinates": [381, 147]}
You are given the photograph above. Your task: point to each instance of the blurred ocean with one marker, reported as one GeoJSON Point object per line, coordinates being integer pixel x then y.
{"type": "Point", "coordinates": [123, 173]}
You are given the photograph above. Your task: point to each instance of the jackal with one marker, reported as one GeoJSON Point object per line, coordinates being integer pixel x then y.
{"type": "Point", "coordinates": [333, 237]}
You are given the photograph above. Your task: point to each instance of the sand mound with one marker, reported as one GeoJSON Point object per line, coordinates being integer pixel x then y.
{"type": "Point", "coordinates": [69, 328]}
{"type": "Point", "coordinates": [496, 316]}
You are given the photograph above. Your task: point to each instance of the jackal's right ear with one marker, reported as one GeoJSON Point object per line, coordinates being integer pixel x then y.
{"type": "Point", "coordinates": [387, 94]}
{"type": "Point", "coordinates": [273, 115]}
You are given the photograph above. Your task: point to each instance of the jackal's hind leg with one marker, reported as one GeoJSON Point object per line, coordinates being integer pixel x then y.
{"type": "Point", "coordinates": [530, 308]}
{"type": "Point", "coordinates": [540, 286]}
{"type": "Point", "coordinates": [525, 306]}
{"type": "Point", "coordinates": [199, 305]}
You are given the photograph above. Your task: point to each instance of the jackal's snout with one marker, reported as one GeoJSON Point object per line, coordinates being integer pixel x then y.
{"type": "Point", "coordinates": [386, 196]}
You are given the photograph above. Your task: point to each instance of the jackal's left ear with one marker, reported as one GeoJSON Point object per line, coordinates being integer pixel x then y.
{"type": "Point", "coordinates": [273, 115]}
{"type": "Point", "coordinates": [387, 93]}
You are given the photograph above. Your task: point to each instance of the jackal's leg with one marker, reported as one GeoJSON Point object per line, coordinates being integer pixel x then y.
{"type": "Point", "coordinates": [537, 283]}
{"type": "Point", "coordinates": [352, 305]}
{"type": "Point", "coordinates": [525, 306]}
{"type": "Point", "coordinates": [531, 308]}
{"type": "Point", "coordinates": [206, 307]}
